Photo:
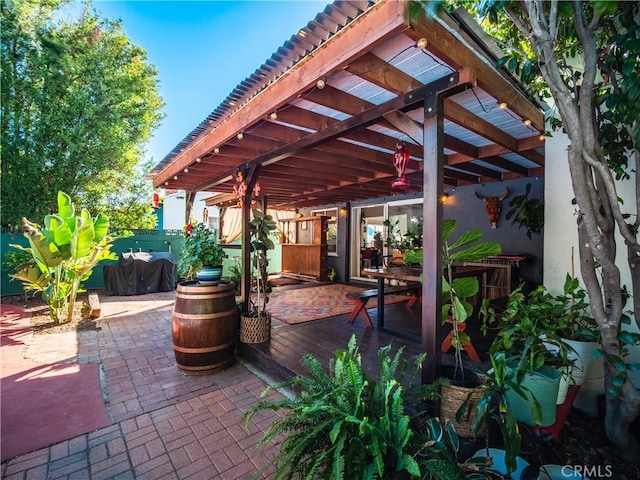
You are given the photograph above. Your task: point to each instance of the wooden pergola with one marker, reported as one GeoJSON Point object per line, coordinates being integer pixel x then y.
{"type": "Point", "coordinates": [318, 123]}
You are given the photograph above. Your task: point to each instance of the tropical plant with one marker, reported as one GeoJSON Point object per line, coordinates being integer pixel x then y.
{"type": "Point", "coordinates": [526, 212]}
{"type": "Point", "coordinates": [439, 454]}
{"type": "Point", "coordinates": [455, 291]}
{"type": "Point", "coordinates": [585, 58]}
{"type": "Point", "coordinates": [234, 275]}
{"type": "Point", "coordinates": [529, 328]}
{"type": "Point", "coordinates": [64, 252]}
{"type": "Point", "coordinates": [78, 103]}
{"type": "Point", "coordinates": [493, 404]}
{"type": "Point", "coordinates": [200, 249]}
{"type": "Point", "coordinates": [342, 424]}
{"type": "Point", "coordinates": [577, 323]}
{"type": "Point", "coordinates": [260, 231]}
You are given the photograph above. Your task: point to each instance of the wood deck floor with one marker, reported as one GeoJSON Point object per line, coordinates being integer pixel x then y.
{"type": "Point", "coordinates": [280, 357]}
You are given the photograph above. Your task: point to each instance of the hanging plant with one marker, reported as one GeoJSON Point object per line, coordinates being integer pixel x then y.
{"type": "Point", "coordinates": [527, 212]}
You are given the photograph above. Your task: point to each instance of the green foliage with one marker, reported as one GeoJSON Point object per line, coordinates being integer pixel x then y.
{"type": "Point", "coordinates": [78, 102]}
{"type": "Point", "coordinates": [234, 275]}
{"type": "Point", "coordinates": [200, 249]}
{"type": "Point", "coordinates": [455, 290]}
{"type": "Point", "coordinates": [64, 252]}
{"type": "Point", "coordinates": [342, 424]}
{"type": "Point", "coordinates": [577, 322]}
{"type": "Point", "coordinates": [527, 212]}
{"type": "Point", "coordinates": [261, 228]}
{"type": "Point", "coordinates": [494, 404]}
{"type": "Point", "coordinates": [439, 454]}
{"type": "Point", "coordinates": [529, 325]}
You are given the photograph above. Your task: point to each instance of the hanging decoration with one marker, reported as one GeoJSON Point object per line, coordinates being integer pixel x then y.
{"type": "Point", "coordinates": [400, 161]}
{"type": "Point", "coordinates": [240, 190]}
{"type": "Point", "coordinates": [155, 202]}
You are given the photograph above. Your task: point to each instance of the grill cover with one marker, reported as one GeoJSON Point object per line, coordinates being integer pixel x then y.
{"type": "Point", "coordinates": [140, 272]}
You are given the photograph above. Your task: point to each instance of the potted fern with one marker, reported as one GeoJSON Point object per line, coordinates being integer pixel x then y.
{"type": "Point", "coordinates": [255, 325]}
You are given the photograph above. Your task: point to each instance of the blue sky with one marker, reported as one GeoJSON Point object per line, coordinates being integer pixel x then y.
{"type": "Point", "coordinates": [203, 49]}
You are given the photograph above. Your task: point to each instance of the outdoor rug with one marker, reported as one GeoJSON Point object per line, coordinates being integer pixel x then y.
{"type": "Point", "coordinates": [313, 303]}
{"type": "Point", "coordinates": [44, 403]}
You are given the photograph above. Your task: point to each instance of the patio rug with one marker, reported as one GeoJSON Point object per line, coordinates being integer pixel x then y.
{"type": "Point", "coordinates": [313, 303]}
{"type": "Point", "coordinates": [43, 403]}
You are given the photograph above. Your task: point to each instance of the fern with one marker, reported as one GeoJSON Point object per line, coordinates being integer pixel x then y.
{"type": "Point", "coordinates": [342, 424]}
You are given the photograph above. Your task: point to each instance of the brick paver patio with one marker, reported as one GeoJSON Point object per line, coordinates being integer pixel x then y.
{"type": "Point", "coordinates": [165, 425]}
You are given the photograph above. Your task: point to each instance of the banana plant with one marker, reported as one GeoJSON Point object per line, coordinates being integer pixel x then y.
{"type": "Point", "coordinates": [64, 252]}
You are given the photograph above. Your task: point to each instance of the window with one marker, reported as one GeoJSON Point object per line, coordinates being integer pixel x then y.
{"type": "Point", "coordinates": [332, 228]}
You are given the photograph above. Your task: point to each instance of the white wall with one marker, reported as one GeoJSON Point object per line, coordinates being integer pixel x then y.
{"type": "Point", "coordinates": [561, 235]}
{"type": "Point", "coordinates": [175, 209]}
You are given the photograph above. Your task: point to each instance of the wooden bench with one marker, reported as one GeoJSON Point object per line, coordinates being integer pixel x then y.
{"type": "Point", "coordinates": [362, 298]}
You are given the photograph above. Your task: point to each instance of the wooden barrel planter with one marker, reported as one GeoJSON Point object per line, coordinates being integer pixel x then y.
{"type": "Point", "coordinates": [204, 327]}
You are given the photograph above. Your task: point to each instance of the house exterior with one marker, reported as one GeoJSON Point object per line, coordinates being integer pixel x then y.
{"type": "Point", "coordinates": [363, 98]}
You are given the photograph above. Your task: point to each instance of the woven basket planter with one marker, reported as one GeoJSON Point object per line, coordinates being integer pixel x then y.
{"type": "Point", "coordinates": [453, 397]}
{"type": "Point", "coordinates": [255, 329]}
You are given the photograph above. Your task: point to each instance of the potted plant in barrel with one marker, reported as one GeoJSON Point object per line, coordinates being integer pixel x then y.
{"type": "Point", "coordinates": [205, 317]}
{"type": "Point", "coordinates": [255, 325]}
{"type": "Point", "coordinates": [201, 257]}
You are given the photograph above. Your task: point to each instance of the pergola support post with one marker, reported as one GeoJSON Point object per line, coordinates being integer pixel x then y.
{"type": "Point", "coordinates": [250, 178]}
{"type": "Point", "coordinates": [432, 235]}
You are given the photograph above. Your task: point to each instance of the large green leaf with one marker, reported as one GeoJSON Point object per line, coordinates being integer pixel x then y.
{"type": "Point", "coordinates": [477, 252]}
{"type": "Point", "coordinates": [465, 286]}
{"type": "Point", "coordinates": [82, 243]}
{"type": "Point", "coordinates": [44, 252]}
{"type": "Point", "coordinates": [100, 226]}
{"type": "Point", "coordinates": [466, 238]}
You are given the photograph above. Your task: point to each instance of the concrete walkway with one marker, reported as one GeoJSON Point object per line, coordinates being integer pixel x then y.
{"type": "Point", "coordinates": [164, 425]}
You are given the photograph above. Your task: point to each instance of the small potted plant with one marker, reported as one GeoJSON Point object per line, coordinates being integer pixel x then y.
{"type": "Point", "coordinates": [578, 329]}
{"type": "Point", "coordinates": [255, 325]}
{"type": "Point", "coordinates": [456, 310]}
{"type": "Point", "coordinates": [528, 333]}
{"type": "Point", "coordinates": [201, 257]}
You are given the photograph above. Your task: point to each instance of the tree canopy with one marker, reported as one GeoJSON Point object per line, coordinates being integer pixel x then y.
{"type": "Point", "coordinates": [79, 101]}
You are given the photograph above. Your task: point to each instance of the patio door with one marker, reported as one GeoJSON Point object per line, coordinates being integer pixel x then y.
{"type": "Point", "coordinates": [367, 247]}
{"type": "Point", "coordinates": [383, 233]}
{"type": "Point", "coordinates": [404, 228]}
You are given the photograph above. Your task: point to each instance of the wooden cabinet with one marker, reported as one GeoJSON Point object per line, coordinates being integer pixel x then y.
{"type": "Point", "coordinates": [304, 253]}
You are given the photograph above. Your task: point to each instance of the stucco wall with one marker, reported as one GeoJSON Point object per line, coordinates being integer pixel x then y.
{"type": "Point", "coordinates": [561, 236]}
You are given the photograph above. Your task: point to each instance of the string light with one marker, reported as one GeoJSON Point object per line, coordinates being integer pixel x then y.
{"type": "Point", "coordinates": [175, 177]}
{"type": "Point", "coordinates": [527, 122]}
{"type": "Point", "coordinates": [320, 84]}
{"type": "Point", "coordinates": [198, 160]}
{"type": "Point", "coordinates": [240, 136]}
{"type": "Point", "coordinates": [502, 105]}
{"type": "Point", "coordinates": [421, 43]}
{"type": "Point", "coordinates": [216, 151]}
{"type": "Point", "coordinates": [186, 170]}
{"type": "Point", "coordinates": [274, 116]}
